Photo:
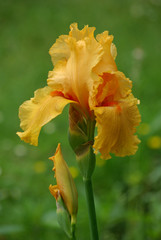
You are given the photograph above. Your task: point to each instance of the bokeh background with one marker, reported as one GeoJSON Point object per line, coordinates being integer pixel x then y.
{"type": "Point", "coordinates": [127, 190]}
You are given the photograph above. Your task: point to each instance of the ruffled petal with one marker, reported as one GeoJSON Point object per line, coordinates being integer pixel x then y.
{"type": "Point", "coordinates": [125, 84]}
{"type": "Point", "coordinates": [65, 182]}
{"type": "Point", "coordinates": [84, 57]}
{"type": "Point", "coordinates": [111, 87]}
{"type": "Point", "coordinates": [60, 50]}
{"type": "Point", "coordinates": [116, 127]}
{"type": "Point", "coordinates": [81, 34]}
{"type": "Point", "coordinates": [74, 75]}
{"type": "Point", "coordinates": [58, 79]}
{"type": "Point", "coordinates": [109, 82]}
{"type": "Point", "coordinates": [38, 111]}
{"type": "Point", "coordinates": [107, 62]}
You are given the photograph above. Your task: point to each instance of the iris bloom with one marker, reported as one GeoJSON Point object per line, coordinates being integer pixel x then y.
{"type": "Point", "coordinates": [85, 74]}
{"type": "Point", "coordinates": [65, 185]}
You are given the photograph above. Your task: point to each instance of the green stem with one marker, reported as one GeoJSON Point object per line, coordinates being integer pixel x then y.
{"type": "Point", "coordinates": [73, 225]}
{"type": "Point", "coordinates": [91, 208]}
{"type": "Point", "coordinates": [73, 232]}
{"type": "Point", "coordinates": [89, 188]}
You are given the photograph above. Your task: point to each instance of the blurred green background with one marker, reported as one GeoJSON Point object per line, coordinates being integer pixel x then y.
{"type": "Point", "coordinates": [127, 190]}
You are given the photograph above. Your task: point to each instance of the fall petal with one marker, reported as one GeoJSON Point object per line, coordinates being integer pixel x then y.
{"type": "Point", "coordinates": [125, 84]}
{"type": "Point", "coordinates": [38, 111]}
{"type": "Point", "coordinates": [116, 127]}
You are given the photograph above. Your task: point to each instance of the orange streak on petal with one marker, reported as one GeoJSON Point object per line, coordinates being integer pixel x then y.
{"type": "Point", "coordinates": [112, 81]}
{"type": "Point", "coordinates": [100, 88]}
{"type": "Point", "coordinates": [71, 98]}
{"type": "Point", "coordinates": [56, 93]}
{"type": "Point", "coordinates": [112, 104]}
{"type": "Point", "coordinates": [119, 109]}
{"type": "Point", "coordinates": [108, 89]}
{"type": "Point", "coordinates": [61, 94]}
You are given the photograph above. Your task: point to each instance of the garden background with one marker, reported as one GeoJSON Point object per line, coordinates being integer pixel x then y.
{"type": "Point", "coordinates": [127, 190]}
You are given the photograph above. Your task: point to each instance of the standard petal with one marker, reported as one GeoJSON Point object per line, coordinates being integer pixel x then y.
{"type": "Point", "coordinates": [81, 34]}
{"type": "Point", "coordinates": [107, 62]}
{"type": "Point", "coordinates": [84, 56]}
{"type": "Point", "coordinates": [116, 127]}
{"type": "Point", "coordinates": [75, 76]}
{"type": "Point", "coordinates": [38, 111]}
{"type": "Point", "coordinates": [112, 86]}
{"type": "Point", "coordinates": [109, 82]}
{"type": "Point", "coordinates": [58, 77]}
{"type": "Point", "coordinates": [60, 49]}
{"type": "Point", "coordinates": [65, 182]}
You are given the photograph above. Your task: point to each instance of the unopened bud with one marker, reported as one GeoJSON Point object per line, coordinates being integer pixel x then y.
{"type": "Point", "coordinates": [65, 183]}
{"type": "Point", "coordinates": [77, 128]}
{"type": "Point", "coordinates": [81, 137]}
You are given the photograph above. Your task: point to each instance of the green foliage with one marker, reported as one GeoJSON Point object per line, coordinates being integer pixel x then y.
{"type": "Point", "coordinates": [127, 190]}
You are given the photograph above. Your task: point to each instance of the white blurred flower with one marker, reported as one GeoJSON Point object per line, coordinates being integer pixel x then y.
{"type": "Point", "coordinates": [138, 53]}
{"type": "Point", "coordinates": [20, 150]}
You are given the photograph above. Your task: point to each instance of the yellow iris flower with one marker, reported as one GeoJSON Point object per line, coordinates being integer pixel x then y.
{"type": "Point", "coordinates": [85, 74]}
{"type": "Point", "coordinates": [65, 185]}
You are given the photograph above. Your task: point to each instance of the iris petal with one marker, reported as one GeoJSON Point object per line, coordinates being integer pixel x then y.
{"type": "Point", "coordinates": [116, 127]}
{"type": "Point", "coordinates": [38, 111]}
{"type": "Point", "coordinates": [113, 85]}
{"type": "Point", "coordinates": [107, 62]}
{"type": "Point", "coordinates": [73, 73]}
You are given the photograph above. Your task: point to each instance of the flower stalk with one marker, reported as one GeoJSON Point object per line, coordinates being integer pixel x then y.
{"type": "Point", "coordinates": [91, 208]}
{"type": "Point", "coordinates": [89, 187]}
{"type": "Point", "coordinates": [73, 232]}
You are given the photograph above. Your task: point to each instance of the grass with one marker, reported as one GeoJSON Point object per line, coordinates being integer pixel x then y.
{"type": "Point", "coordinates": [127, 191]}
